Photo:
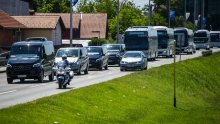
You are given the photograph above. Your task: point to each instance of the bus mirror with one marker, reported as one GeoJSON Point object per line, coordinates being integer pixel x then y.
{"type": "Point", "coordinates": [44, 56]}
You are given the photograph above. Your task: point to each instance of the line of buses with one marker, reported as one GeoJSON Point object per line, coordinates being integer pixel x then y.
{"type": "Point", "coordinates": [157, 41]}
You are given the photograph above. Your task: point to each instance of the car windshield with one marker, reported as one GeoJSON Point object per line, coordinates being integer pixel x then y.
{"type": "Point", "coordinates": [113, 47]}
{"type": "Point", "coordinates": [132, 55]}
{"type": "Point", "coordinates": [26, 51]}
{"type": "Point", "coordinates": [94, 50]}
{"type": "Point", "coordinates": [67, 52]}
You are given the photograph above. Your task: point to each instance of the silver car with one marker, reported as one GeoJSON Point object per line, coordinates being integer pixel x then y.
{"type": "Point", "coordinates": [133, 60]}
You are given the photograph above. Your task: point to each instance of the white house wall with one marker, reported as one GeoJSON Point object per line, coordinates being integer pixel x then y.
{"type": "Point", "coordinates": [57, 35]}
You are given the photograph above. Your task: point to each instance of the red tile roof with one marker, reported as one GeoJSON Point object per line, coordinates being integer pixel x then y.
{"type": "Point", "coordinates": [91, 23]}
{"type": "Point", "coordinates": [42, 22]}
{"type": "Point", "coordinates": [8, 22]}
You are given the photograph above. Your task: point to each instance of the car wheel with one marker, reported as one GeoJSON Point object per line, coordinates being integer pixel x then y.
{"type": "Point", "coordinates": [121, 69]}
{"type": "Point", "coordinates": [106, 66]}
{"type": "Point", "coordinates": [64, 86]}
{"type": "Point", "coordinates": [9, 80]}
{"type": "Point", "coordinates": [51, 76]}
{"type": "Point", "coordinates": [22, 80]}
{"type": "Point", "coordinates": [87, 69]}
{"type": "Point", "coordinates": [101, 66]}
{"type": "Point", "coordinates": [41, 77]}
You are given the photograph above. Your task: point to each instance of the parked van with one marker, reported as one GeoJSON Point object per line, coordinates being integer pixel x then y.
{"type": "Point", "coordinates": [77, 57]}
{"type": "Point", "coordinates": [165, 41]}
{"type": "Point", "coordinates": [215, 38]}
{"type": "Point", "coordinates": [30, 60]}
{"type": "Point", "coordinates": [115, 52]}
{"type": "Point", "coordinates": [202, 39]}
{"type": "Point", "coordinates": [142, 38]}
{"type": "Point", "coordinates": [184, 40]}
{"type": "Point", "coordinates": [98, 57]}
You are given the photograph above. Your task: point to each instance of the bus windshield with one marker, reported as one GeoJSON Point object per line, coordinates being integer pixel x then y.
{"type": "Point", "coordinates": [26, 51]}
{"type": "Point", "coordinates": [215, 37]}
{"type": "Point", "coordinates": [200, 34]}
{"type": "Point", "coordinates": [181, 39]}
{"type": "Point", "coordinates": [162, 39]}
{"type": "Point", "coordinates": [136, 40]}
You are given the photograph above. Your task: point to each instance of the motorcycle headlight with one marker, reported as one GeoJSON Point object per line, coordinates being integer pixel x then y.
{"type": "Point", "coordinates": [60, 72]}
{"type": "Point", "coordinates": [9, 66]}
{"type": "Point", "coordinates": [37, 65]}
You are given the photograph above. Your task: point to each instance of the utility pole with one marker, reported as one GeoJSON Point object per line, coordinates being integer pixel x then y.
{"type": "Point", "coordinates": [174, 67]}
{"type": "Point", "coordinates": [169, 13]}
{"type": "Point", "coordinates": [149, 13]}
{"type": "Point", "coordinates": [203, 13]}
{"type": "Point", "coordinates": [118, 11]}
{"type": "Point", "coordinates": [185, 11]}
{"type": "Point", "coordinates": [71, 23]}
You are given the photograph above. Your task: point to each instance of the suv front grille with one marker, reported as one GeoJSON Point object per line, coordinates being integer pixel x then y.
{"type": "Point", "coordinates": [22, 67]}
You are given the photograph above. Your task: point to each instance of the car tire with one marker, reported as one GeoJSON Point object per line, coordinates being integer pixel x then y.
{"type": "Point", "coordinates": [22, 80]}
{"type": "Point", "coordinates": [51, 76]}
{"type": "Point", "coordinates": [101, 67]}
{"type": "Point", "coordinates": [106, 66]}
{"type": "Point", "coordinates": [86, 70]}
{"type": "Point", "coordinates": [9, 80]}
{"type": "Point", "coordinates": [41, 77]}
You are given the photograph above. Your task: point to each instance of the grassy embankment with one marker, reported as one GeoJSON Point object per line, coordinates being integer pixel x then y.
{"type": "Point", "coordinates": [142, 97]}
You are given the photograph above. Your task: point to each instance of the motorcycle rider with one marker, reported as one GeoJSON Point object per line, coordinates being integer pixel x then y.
{"type": "Point", "coordinates": [64, 59]}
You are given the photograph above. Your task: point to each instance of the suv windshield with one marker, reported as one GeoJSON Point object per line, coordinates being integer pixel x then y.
{"type": "Point", "coordinates": [30, 51]}
{"type": "Point", "coordinates": [67, 52]}
{"type": "Point", "coordinates": [113, 47]}
{"type": "Point", "coordinates": [94, 50]}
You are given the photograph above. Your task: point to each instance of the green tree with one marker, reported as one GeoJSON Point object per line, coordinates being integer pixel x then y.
{"type": "Point", "coordinates": [50, 6]}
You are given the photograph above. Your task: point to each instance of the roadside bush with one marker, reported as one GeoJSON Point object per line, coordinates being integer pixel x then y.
{"type": "Point", "coordinates": [99, 42]}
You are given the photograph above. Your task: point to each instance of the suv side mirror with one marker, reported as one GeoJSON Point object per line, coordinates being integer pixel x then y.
{"type": "Point", "coordinates": [7, 56]}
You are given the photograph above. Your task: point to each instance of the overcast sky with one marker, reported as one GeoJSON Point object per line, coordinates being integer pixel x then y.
{"type": "Point", "coordinates": [140, 3]}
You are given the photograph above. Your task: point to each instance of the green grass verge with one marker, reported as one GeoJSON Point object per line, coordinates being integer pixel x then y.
{"type": "Point", "coordinates": [142, 97]}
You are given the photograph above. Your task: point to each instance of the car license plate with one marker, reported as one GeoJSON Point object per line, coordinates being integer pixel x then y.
{"type": "Point", "coordinates": [131, 65]}
{"type": "Point", "coordinates": [22, 76]}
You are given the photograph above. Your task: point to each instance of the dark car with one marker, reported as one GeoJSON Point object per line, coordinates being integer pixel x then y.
{"type": "Point", "coordinates": [115, 52]}
{"type": "Point", "coordinates": [98, 57]}
{"type": "Point", "coordinates": [30, 60]}
{"type": "Point", "coordinates": [77, 57]}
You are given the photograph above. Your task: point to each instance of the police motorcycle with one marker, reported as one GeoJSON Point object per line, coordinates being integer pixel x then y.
{"type": "Point", "coordinates": [63, 74]}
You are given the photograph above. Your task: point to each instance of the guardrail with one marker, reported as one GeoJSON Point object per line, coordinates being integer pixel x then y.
{"type": "Point", "coordinates": [207, 53]}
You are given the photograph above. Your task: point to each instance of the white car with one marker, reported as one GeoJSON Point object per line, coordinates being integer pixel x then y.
{"type": "Point", "coordinates": [133, 60]}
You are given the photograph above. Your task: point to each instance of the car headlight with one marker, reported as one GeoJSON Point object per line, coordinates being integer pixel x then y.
{"type": "Point", "coordinates": [37, 65]}
{"type": "Point", "coordinates": [140, 62]}
{"type": "Point", "coordinates": [8, 66]}
{"type": "Point", "coordinates": [123, 62]}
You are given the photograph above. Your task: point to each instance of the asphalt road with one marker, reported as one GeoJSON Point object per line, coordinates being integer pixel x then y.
{"type": "Point", "coordinates": [12, 94]}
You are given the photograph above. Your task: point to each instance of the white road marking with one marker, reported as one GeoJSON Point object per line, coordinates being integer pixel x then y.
{"type": "Point", "coordinates": [8, 92]}
{"type": "Point", "coordinates": [38, 85]}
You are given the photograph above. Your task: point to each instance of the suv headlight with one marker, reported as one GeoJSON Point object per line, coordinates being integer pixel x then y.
{"type": "Point", "coordinates": [99, 59]}
{"type": "Point", "coordinates": [123, 62]}
{"type": "Point", "coordinates": [37, 65]}
{"type": "Point", "coordinates": [8, 66]}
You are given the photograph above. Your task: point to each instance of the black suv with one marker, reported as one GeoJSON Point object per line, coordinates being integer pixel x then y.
{"type": "Point", "coordinates": [115, 52]}
{"type": "Point", "coordinates": [98, 57]}
{"type": "Point", "coordinates": [30, 60]}
{"type": "Point", "coordinates": [77, 57]}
